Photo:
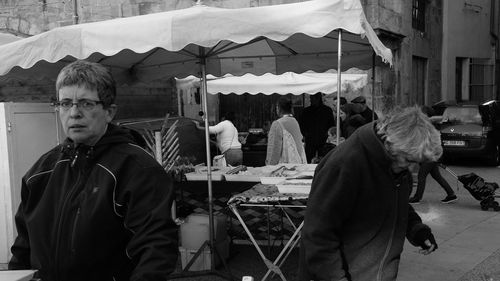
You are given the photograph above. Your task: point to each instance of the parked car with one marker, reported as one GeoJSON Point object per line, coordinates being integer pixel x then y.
{"type": "Point", "coordinates": [472, 131]}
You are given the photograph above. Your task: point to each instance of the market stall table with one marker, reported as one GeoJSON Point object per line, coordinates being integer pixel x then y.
{"type": "Point", "coordinates": [16, 275]}
{"type": "Point", "coordinates": [263, 195]}
{"type": "Point", "coordinates": [192, 196]}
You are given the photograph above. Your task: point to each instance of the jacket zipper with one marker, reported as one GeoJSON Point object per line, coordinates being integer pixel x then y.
{"type": "Point", "coordinates": [389, 244]}
{"type": "Point", "coordinates": [59, 226]}
{"type": "Point", "coordinates": [74, 230]}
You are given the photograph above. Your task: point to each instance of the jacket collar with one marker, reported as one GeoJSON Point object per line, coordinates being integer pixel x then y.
{"type": "Point", "coordinates": [114, 135]}
{"type": "Point", "coordinates": [376, 150]}
{"type": "Point", "coordinates": [373, 145]}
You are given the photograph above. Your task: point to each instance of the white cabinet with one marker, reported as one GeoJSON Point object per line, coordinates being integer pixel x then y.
{"type": "Point", "coordinates": [27, 130]}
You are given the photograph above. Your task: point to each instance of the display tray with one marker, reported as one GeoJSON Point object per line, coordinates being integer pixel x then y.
{"type": "Point", "coordinates": [301, 189]}
{"type": "Point", "coordinates": [306, 173]}
{"type": "Point", "coordinates": [277, 180]}
{"type": "Point", "coordinates": [307, 168]}
{"type": "Point", "coordinates": [295, 186]}
{"type": "Point", "coordinates": [271, 180]}
{"type": "Point", "coordinates": [193, 176]}
{"type": "Point", "coordinates": [243, 178]}
{"type": "Point", "coordinates": [201, 174]}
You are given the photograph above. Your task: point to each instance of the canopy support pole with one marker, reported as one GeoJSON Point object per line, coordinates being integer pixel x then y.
{"type": "Point", "coordinates": [76, 18]}
{"type": "Point", "coordinates": [209, 158]}
{"type": "Point", "coordinates": [373, 86]}
{"type": "Point", "coordinates": [211, 242]}
{"type": "Point", "coordinates": [339, 81]}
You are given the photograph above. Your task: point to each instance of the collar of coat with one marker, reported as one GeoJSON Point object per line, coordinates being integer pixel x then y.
{"type": "Point", "coordinates": [373, 145]}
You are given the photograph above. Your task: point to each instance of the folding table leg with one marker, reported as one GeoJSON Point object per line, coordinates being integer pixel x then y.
{"type": "Point", "coordinates": [270, 265]}
{"type": "Point", "coordinates": [287, 249]}
{"type": "Point", "coordinates": [290, 249]}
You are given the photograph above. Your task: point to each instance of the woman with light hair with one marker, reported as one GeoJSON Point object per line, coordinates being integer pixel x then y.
{"type": "Point", "coordinates": [358, 213]}
{"type": "Point", "coordinates": [409, 137]}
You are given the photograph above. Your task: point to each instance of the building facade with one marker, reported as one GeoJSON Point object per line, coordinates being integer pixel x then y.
{"type": "Point", "coordinates": [470, 50]}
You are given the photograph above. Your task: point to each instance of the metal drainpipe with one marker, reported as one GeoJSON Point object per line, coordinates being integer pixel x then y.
{"type": "Point", "coordinates": [75, 12]}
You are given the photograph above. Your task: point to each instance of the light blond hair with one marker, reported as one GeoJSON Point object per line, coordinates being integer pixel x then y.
{"type": "Point", "coordinates": [408, 132]}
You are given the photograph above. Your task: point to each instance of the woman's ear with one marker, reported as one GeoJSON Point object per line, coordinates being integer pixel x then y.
{"type": "Point", "coordinates": [111, 112]}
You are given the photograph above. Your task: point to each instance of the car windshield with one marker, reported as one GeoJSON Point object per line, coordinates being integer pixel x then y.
{"type": "Point", "coordinates": [462, 115]}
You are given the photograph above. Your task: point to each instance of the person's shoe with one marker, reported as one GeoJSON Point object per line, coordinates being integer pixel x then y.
{"type": "Point", "coordinates": [449, 199]}
{"type": "Point", "coordinates": [414, 200]}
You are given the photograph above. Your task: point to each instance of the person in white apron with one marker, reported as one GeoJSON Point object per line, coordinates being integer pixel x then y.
{"type": "Point", "coordinates": [227, 139]}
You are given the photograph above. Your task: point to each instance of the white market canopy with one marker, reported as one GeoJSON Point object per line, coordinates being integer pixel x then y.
{"type": "Point", "coordinates": [7, 38]}
{"type": "Point", "coordinates": [268, 39]}
{"type": "Point", "coordinates": [287, 83]}
{"type": "Point", "coordinates": [205, 40]}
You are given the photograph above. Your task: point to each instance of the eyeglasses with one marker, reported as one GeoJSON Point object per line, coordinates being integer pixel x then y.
{"type": "Point", "coordinates": [83, 104]}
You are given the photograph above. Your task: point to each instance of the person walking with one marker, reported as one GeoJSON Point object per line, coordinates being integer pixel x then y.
{"type": "Point", "coordinates": [98, 206]}
{"type": "Point", "coordinates": [357, 213]}
{"type": "Point", "coordinates": [284, 140]}
{"type": "Point", "coordinates": [432, 168]}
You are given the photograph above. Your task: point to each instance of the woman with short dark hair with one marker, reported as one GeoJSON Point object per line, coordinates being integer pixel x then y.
{"type": "Point", "coordinates": [227, 139]}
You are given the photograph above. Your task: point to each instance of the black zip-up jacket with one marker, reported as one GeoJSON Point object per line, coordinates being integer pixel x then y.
{"type": "Point", "coordinates": [96, 213]}
{"type": "Point", "coordinates": [357, 214]}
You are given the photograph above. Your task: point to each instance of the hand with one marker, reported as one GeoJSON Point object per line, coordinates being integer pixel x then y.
{"type": "Point", "coordinates": [429, 247]}
{"type": "Point", "coordinates": [426, 241]}
{"type": "Point", "coordinates": [197, 124]}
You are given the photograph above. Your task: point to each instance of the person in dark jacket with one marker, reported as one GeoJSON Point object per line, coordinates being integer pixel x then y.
{"type": "Point", "coordinates": [314, 124]}
{"type": "Point", "coordinates": [367, 113]}
{"type": "Point", "coordinates": [353, 118]}
{"type": "Point", "coordinates": [98, 206]}
{"type": "Point", "coordinates": [358, 213]}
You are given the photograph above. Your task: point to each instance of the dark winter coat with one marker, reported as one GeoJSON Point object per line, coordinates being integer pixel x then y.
{"type": "Point", "coordinates": [357, 214]}
{"type": "Point", "coordinates": [96, 213]}
{"type": "Point", "coordinates": [314, 124]}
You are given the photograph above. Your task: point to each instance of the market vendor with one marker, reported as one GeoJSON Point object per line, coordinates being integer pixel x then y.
{"type": "Point", "coordinates": [227, 139]}
{"type": "Point", "coordinates": [96, 207]}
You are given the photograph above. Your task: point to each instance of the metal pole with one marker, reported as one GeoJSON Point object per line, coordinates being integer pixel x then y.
{"type": "Point", "coordinates": [339, 82]}
{"type": "Point", "coordinates": [209, 159]}
{"type": "Point", "coordinates": [75, 12]}
{"type": "Point", "coordinates": [373, 86]}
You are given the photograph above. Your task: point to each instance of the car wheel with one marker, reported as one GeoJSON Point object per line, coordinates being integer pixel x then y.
{"type": "Point", "coordinates": [494, 159]}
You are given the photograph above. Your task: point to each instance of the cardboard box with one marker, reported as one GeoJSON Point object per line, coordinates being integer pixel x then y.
{"type": "Point", "coordinates": [195, 231]}
{"type": "Point", "coordinates": [204, 262]}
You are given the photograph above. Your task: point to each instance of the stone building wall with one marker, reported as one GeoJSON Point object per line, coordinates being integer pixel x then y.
{"type": "Point", "coordinates": [393, 20]}
{"type": "Point", "coordinates": [428, 45]}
